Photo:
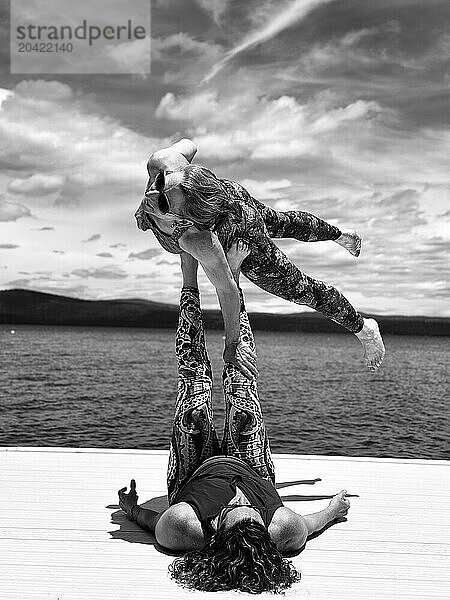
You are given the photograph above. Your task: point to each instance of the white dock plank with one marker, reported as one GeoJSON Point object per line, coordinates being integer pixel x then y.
{"type": "Point", "coordinates": [62, 536]}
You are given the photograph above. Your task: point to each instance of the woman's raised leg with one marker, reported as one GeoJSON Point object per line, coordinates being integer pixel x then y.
{"type": "Point", "coordinates": [194, 438]}
{"type": "Point", "coordinates": [305, 227]}
{"type": "Point", "coordinates": [244, 435]}
{"type": "Point", "coordinates": [271, 270]}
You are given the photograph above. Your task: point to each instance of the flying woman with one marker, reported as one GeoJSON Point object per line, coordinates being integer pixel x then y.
{"type": "Point", "coordinates": [190, 209]}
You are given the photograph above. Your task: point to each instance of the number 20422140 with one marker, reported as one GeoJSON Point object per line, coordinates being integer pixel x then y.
{"type": "Point", "coordinates": [45, 47]}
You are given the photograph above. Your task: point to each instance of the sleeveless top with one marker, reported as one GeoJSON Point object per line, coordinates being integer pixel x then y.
{"type": "Point", "coordinates": [240, 219]}
{"type": "Point", "coordinates": [213, 485]}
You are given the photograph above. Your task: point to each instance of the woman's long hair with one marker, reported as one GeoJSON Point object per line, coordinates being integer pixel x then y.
{"type": "Point", "coordinates": [204, 195]}
{"type": "Point", "coordinates": [242, 558]}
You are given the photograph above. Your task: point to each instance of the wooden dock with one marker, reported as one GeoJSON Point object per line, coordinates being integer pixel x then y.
{"type": "Point", "coordinates": [62, 536]}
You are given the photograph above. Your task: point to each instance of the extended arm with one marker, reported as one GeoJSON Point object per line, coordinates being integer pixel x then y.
{"type": "Point", "coordinates": [144, 517]}
{"type": "Point", "coordinates": [176, 528]}
{"type": "Point", "coordinates": [300, 528]}
{"type": "Point", "coordinates": [206, 248]}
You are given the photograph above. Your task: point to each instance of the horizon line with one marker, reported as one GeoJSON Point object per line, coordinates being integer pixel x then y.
{"type": "Point", "coordinates": [291, 314]}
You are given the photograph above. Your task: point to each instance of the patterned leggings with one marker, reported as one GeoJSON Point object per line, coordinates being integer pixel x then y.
{"type": "Point", "coordinates": [194, 438]}
{"type": "Point", "coordinates": [271, 270]}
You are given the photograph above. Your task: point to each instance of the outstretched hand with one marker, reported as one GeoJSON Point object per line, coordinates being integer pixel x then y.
{"type": "Point", "coordinates": [128, 501]}
{"type": "Point", "coordinates": [243, 358]}
{"type": "Point", "coordinates": [339, 505]}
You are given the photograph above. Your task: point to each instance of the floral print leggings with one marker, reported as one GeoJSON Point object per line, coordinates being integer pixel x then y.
{"type": "Point", "coordinates": [194, 438]}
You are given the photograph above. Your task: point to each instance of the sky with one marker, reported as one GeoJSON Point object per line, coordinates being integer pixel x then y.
{"type": "Point", "coordinates": [335, 107]}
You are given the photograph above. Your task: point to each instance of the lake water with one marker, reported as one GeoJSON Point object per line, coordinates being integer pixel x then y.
{"type": "Point", "coordinates": [115, 388]}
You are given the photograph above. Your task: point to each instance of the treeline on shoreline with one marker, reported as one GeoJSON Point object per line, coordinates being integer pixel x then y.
{"type": "Point", "coordinates": [20, 306]}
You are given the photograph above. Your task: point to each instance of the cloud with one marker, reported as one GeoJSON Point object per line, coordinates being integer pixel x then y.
{"type": "Point", "coordinates": [50, 134]}
{"type": "Point", "coordinates": [93, 238]}
{"type": "Point", "coordinates": [354, 51]}
{"type": "Point", "coordinates": [347, 106]}
{"type": "Point", "coordinates": [4, 94]}
{"type": "Point", "coordinates": [286, 17]}
{"type": "Point", "coordinates": [71, 193]}
{"type": "Point", "coordinates": [19, 283]}
{"type": "Point", "coordinates": [11, 211]}
{"type": "Point", "coordinates": [37, 185]}
{"type": "Point", "coordinates": [145, 254]}
{"type": "Point", "coordinates": [45, 229]}
{"type": "Point", "coordinates": [183, 58]}
{"type": "Point", "coordinates": [58, 251]}
{"type": "Point", "coordinates": [104, 254]}
{"type": "Point", "coordinates": [319, 137]}
{"type": "Point", "coordinates": [262, 190]}
{"type": "Point", "coordinates": [9, 246]}
{"type": "Point", "coordinates": [262, 128]}
{"type": "Point", "coordinates": [51, 287]}
{"type": "Point", "coordinates": [193, 108]}
{"type": "Point", "coordinates": [108, 272]}
{"type": "Point", "coordinates": [215, 8]}
{"type": "Point", "coordinates": [118, 245]}
{"type": "Point", "coordinates": [128, 57]}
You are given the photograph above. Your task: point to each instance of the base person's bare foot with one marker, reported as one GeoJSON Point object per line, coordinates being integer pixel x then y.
{"type": "Point", "coordinates": [370, 338]}
{"type": "Point", "coordinates": [236, 255]}
{"type": "Point", "coordinates": [351, 241]}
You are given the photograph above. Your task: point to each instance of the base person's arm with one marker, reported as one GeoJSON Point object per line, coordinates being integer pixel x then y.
{"type": "Point", "coordinates": [206, 248]}
{"type": "Point", "coordinates": [144, 517]}
{"type": "Point", "coordinates": [299, 528]}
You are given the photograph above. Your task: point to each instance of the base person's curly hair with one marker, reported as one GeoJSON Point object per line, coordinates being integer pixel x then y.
{"type": "Point", "coordinates": [204, 195]}
{"type": "Point", "coordinates": [242, 558]}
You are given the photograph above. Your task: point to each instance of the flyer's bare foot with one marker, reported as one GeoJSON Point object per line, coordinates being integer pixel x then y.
{"type": "Point", "coordinates": [351, 241]}
{"type": "Point", "coordinates": [370, 338]}
{"type": "Point", "coordinates": [236, 255]}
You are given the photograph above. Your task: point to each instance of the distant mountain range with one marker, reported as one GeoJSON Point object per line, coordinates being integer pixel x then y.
{"type": "Point", "coordinates": [19, 306]}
